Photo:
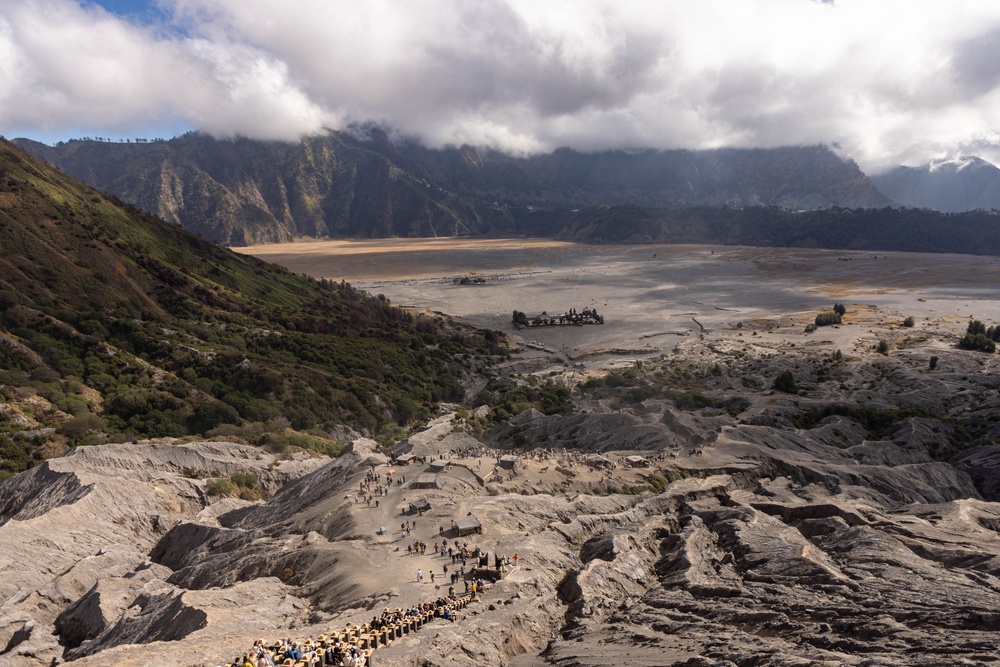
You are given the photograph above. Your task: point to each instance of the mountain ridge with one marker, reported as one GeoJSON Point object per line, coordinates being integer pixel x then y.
{"type": "Point", "coordinates": [343, 184]}
{"type": "Point", "coordinates": [966, 183]}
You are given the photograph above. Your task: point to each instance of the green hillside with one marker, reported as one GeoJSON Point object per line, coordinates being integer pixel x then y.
{"type": "Point", "coordinates": [116, 324]}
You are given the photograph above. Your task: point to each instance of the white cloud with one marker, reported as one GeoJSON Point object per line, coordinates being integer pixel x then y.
{"type": "Point", "coordinates": [889, 80]}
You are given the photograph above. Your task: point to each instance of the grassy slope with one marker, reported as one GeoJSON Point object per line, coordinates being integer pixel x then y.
{"type": "Point", "coordinates": [115, 322]}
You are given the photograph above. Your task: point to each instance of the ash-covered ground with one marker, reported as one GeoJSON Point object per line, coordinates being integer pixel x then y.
{"type": "Point", "coordinates": [848, 517]}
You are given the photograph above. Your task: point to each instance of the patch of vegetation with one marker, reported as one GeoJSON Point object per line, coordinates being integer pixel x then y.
{"type": "Point", "coordinates": [691, 400]}
{"type": "Point", "coordinates": [150, 331]}
{"type": "Point", "coordinates": [785, 382]}
{"type": "Point", "coordinates": [980, 337]}
{"type": "Point", "coordinates": [246, 480]}
{"type": "Point", "coordinates": [220, 487]}
{"type": "Point", "coordinates": [828, 319]}
{"type": "Point", "coordinates": [977, 342]}
{"type": "Point", "coordinates": [276, 437]}
{"type": "Point", "coordinates": [877, 422]}
{"type": "Point", "coordinates": [247, 486]}
{"type": "Point", "coordinates": [508, 397]}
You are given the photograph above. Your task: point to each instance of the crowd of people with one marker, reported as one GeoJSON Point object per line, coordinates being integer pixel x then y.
{"type": "Point", "coordinates": [493, 455]}
{"type": "Point", "coordinates": [353, 646]}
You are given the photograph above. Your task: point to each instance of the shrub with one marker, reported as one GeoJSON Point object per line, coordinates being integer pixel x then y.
{"type": "Point", "coordinates": [840, 309]}
{"type": "Point", "coordinates": [692, 400]}
{"type": "Point", "coordinates": [909, 321]}
{"type": "Point", "coordinates": [882, 347]}
{"type": "Point", "coordinates": [977, 341]}
{"type": "Point", "coordinates": [81, 425]}
{"type": "Point", "coordinates": [220, 487]}
{"type": "Point", "coordinates": [934, 362]}
{"type": "Point", "coordinates": [826, 319]}
{"type": "Point", "coordinates": [785, 382]}
{"type": "Point", "coordinates": [247, 480]}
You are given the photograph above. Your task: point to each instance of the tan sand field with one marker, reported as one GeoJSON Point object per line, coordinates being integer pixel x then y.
{"type": "Point", "coordinates": [656, 297]}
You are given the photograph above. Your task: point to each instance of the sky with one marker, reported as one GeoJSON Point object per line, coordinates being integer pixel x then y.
{"type": "Point", "coordinates": [884, 82]}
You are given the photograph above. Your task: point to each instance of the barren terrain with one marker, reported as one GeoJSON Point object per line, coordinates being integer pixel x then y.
{"type": "Point", "coordinates": [654, 297]}
{"type": "Point", "coordinates": [850, 521]}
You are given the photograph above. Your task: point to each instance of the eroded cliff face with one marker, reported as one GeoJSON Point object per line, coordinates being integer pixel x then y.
{"type": "Point", "coordinates": [767, 531]}
{"type": "Point", "coordinates": [362, 184]}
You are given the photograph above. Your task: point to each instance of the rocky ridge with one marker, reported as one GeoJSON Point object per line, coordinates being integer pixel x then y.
{"type": "Point", "coordinates": [368, 185]}
{"type": "Point", "coordinates": [78, 531]}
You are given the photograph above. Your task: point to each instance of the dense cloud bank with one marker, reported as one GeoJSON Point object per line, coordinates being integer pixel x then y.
{"type": "Point", "coordinates": [887, 81]}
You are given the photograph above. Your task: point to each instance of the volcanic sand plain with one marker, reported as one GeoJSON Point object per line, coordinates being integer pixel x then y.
{"type": "Point", "coordinates": [654, 297]}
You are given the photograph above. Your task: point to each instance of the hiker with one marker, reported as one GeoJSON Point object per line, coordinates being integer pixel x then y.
{"type": "Point", "coordinates": [420, 575]}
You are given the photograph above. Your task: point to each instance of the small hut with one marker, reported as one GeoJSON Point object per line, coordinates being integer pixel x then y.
{"type": "Point", "coordinates": [637, 461]}
{"type": "Point", "coordinates": [510, 462]}
{"type": "Point", "coordinates": [428, 480]}
{"type": "Point", "coordinates": [419, 505]}
{"type": "Point", "coordinates": [405, 459]}
{"type": "Point", "coordinates": [438, 465]}
{"type": "Point", "coordinates": [598, 461]}
{"type": "Point", "coordinates": [466, 525]}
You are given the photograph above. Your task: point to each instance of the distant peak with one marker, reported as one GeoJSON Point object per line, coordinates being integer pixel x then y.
{"type": "Point", "coordinates": [957, 163]}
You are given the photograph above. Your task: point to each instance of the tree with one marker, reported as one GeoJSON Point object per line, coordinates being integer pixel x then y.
{"type": "Point", "coordinates": [82, 424]}
{"type": "Point", "coordinates": [785, 382]}
{"type": "Point", "coordinates": [840, 309]}
{"type": "Point", "coordinates": [976, 327]}
{"type": "Point", "coordinates": [519, 319]}
{"type": "Point", "coordinates": [209, 415]}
